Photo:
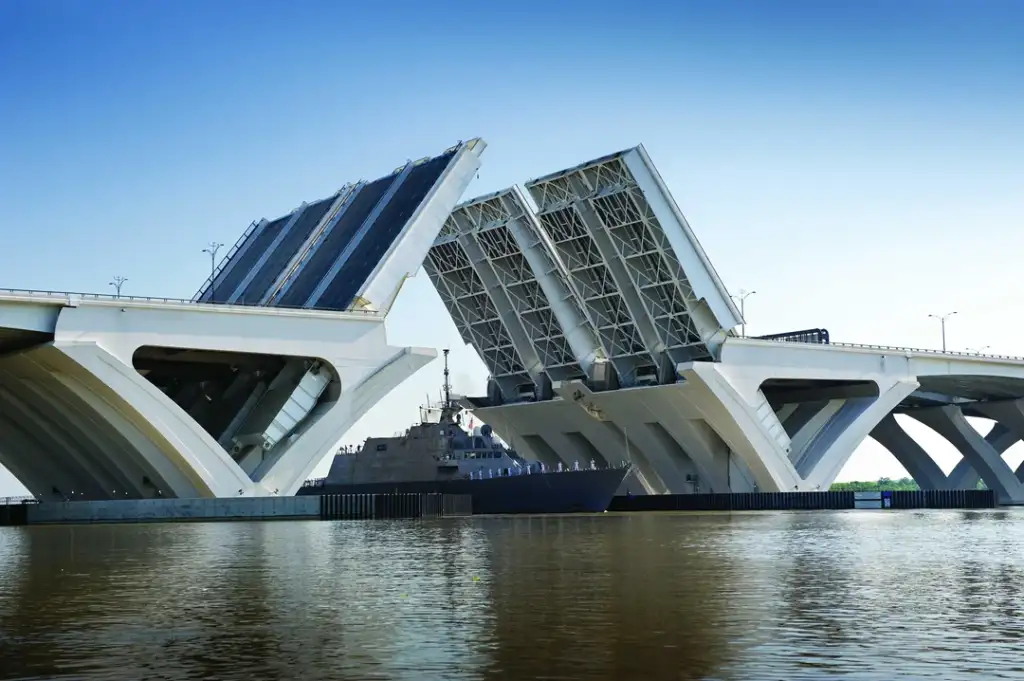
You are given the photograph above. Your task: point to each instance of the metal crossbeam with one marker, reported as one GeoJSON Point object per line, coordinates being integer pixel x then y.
{"type": "Point", "coordinates": [474, 313]}
{"type": "Point", "coordinates": [600, 212]}
{"type": "Point", "coordinates": [596, 288]}
{"type": "Point", "coordinates": [493, 222]}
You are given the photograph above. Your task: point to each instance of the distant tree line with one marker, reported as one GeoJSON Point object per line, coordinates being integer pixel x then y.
{"type": "Point", "coordinates": [883, 485]}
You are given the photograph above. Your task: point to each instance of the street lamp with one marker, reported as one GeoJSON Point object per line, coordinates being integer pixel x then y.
{"type": "Point", "coordinates": [212, 249]}
{"type": "Point", "coordinates": [117, 283]}
{"type": "Point", "coordinates": [942, 321]}
{"type": "Point", "coordinates": [742, 298]}
{"type": "Point", "coordinates": [978, 351]}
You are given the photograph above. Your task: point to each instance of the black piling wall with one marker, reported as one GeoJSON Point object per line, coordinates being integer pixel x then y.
{"type": "Point", "coordinates": [394, 506]}
{"type": "Point", "coordinates": [13, 514]}
{"type": "Point", "coordinates": [755, 501]}
{"type": "Point", "coordinates": [802, 501]}
{"type": "Point", "coordinates": [953, 498]}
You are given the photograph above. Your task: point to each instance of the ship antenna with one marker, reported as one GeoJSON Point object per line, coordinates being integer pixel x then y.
{"type": "Point", "coordinates": [447, 385]}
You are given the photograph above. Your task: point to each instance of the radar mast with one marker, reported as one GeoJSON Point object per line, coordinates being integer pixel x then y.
{"type": "Point", "coordinates": [449, 410]}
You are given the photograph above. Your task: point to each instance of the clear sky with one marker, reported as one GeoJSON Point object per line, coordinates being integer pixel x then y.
{"type": "Point", "coordinates": [859, 163]}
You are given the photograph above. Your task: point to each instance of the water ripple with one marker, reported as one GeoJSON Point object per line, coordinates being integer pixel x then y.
{"type": "Point", "coordinates": [855, 595]}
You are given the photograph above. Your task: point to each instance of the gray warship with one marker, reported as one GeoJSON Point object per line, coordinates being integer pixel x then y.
{"type": "Point", "coordinates": [438, 455]}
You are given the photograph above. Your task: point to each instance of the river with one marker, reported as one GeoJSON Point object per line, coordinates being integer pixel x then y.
{"type": "Point", "coordinates": [858, 595]}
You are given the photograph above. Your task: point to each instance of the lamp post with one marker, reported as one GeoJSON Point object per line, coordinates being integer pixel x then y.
{"type": "Point", "coordinates": [117, 283]}
{"type": "Point", "coordinates": [942, 321]}
{"type": "Point", "coordinates": [742, 299]}
{"type": "Point", "coordinates": [978, 351]}
{"type": "Point", "coordinates": [212, 249]}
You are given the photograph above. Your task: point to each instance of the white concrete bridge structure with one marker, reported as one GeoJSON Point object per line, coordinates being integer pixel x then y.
{"type": "Point", "coordinates": [609, 336]}
{"type": "Point", "coordinates": [244, 389]}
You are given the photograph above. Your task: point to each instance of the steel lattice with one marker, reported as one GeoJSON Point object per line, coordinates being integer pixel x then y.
{"type": "Point", "coordinates": [472, 310]}
{"type": "Point", "coordinates": [487, 220]}
{"type": "Point", "coordinates": [612, 193]}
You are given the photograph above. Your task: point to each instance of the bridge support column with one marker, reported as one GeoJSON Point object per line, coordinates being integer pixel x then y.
{"type": "Point", "coordinates": [741, 426]}
{"type": "Point", "coordinates": [963, 475]}
{"type": "Point", "coordinates": [662, 442]}
{"type": "Point", "coordinates": [822, 447]}
{"type": "Point", "coordinates": [285, 471]}
{"type": "Point", "coordinates": [805, 434]}
{"type": "Point", "coordinates": [982, 456]}
{"type": "Point", "coordinates": [922, 468]}
{"type": "Point", "coordinates": [654, 477]}
{"type": "Point", "coordinates": [801, 415]}
{"type": "Point", "coordinates": [849, 428]}
{"type": "Point", "coordinates": [163, 435]}
{"type": "Point", "coordinates": [49, 442]}
{"type": "Point", "coordinates": [659, 460]}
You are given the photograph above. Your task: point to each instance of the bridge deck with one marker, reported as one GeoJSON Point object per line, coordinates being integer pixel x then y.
{"type": "Point", "coordinates": [75, 298]}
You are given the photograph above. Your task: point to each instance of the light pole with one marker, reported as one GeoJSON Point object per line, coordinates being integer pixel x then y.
{"type": "Point", "coordinates": [978, 351]}
{"type": "Point", "coordinates": [942, 321]}
{"type": "Point", "coordinates": [742, 298]}
{"type": "Point", "coordinates": [212, 249]}
{"type": "Point", "coordinates": [117, 283]}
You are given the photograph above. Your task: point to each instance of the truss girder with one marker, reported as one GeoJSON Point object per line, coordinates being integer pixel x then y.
{"type": "Point", "coordinates": [474, 312]}
{"type": "Point", "coordinates": [609, 203]}
{"type": "Point", "coordinates": [575, 324]}
{"type": "Point", "coordinates": [601, 284]}
{"type": "Point", "coordinates": [504, 229]}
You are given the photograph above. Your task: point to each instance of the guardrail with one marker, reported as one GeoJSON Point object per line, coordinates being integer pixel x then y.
{"type": "Point", "coordinates": [897, 348]}
{"type": "Point", "coordinates": [30, 293]}
{"type": "Point", "coordinates": [928, 351]}
{"type": "Point", "coordinates": [224, 261]}
{"type": "Point", "coordinates": [88, 296]}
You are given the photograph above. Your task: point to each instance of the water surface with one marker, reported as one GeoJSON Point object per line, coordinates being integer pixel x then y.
{"type": "Point", "coordinates": [858, 595]}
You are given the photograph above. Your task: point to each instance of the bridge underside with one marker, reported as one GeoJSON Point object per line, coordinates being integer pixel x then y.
{"type": "Point", "coordinates": [724, 427]}
{"type": "Point", "coordinates": [88, 416]}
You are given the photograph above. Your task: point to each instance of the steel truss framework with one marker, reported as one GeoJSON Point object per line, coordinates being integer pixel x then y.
{"type": "Point", "coordinates": [480, 256]}
{"type": "Point", "coordinates": [644, 306]}
{"type": "Point", "coordinates": [598, 291]}
{"type": "Point", "coordinates": [489, 221]}
{"type": "Point", "coordinates": [474, 313]}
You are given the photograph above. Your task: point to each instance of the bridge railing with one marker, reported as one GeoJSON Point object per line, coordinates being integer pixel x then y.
{"type": "Point", "coordinates": [87, 296]}
{"type": "Point", "coordinates": [901, 349]}
{"type": "Point", "coordinates": [929, 351]}
{"type": "Point", "coordinates": [37, 293]}
{"type": "Point", "coordinates": [224, 261]}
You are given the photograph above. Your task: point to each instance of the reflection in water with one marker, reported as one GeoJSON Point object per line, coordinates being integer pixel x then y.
{"type": "Point", "coordinates": [867, 595]}
{"type": "Point", "coordinates": [582, 596]}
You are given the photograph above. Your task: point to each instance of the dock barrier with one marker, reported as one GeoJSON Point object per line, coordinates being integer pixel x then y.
{"type": "Point", "coordinates": [753, 501]}
{"type": "Point", "coordinates": [14, 510]}
{"type": "Point", "coordinates": [941, 498]}
{"type": "Point", "coordinates": [326, 507]}
{"type": "Point", "coordinates": [805, 501]}
{"type": "Point", "coordinates": [394, 506]}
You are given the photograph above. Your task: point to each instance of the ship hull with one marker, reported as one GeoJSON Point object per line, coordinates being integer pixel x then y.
{"type": "Point", "coordinates": [585, 491]}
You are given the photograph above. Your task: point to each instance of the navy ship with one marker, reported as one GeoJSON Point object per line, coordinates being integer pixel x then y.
{"type": "Point", "coordinates": [439, 456]}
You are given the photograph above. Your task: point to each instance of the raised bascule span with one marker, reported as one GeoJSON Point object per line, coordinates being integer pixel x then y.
{"type": "Point", "coordinates": [608, 335]}
{"type": "Point", "coordinates": [244, 389]}
{"type": "Point", "coordinates": [606, 331]}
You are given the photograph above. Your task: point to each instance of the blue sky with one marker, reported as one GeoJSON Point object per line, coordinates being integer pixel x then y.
{"type": "Point", "coordinates": [859, 164]}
